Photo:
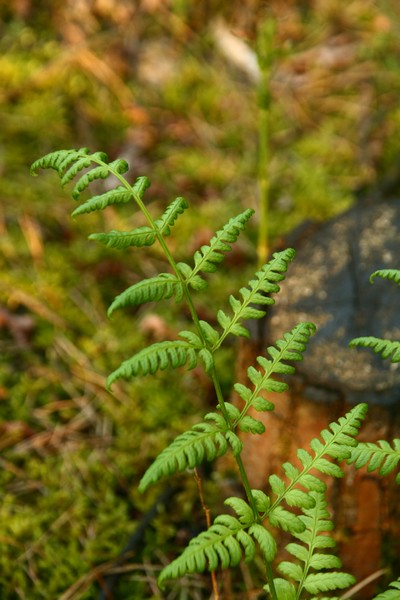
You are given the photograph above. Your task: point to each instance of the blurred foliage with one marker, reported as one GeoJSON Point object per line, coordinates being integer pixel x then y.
{"type": "Point", "coordinates": [172, 87]}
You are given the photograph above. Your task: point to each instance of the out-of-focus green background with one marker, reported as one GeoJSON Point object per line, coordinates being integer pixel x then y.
{"type": "Point", "coordinates": [172, 86]}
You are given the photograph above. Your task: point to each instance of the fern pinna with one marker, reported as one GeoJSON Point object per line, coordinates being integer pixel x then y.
{"type": "Point", "coordinates": [295, 502]}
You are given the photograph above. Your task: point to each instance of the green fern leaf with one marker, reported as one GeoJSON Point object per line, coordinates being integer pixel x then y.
{"type": "Point", "coordinates": [223, 544]}
{"type": "Point", "coordinates": [84, 162]}
{"type": "Point", "coordinates": [172, 212]}
{"type": "Point", "coordinates": [326, 582]}
{"type": "Point", "coordinates": [338, 443]}
{"type": "Point", "coordinates": [204, 441]}
{"type": "Point", "coordinates": [291, 347]}
{"type": "Point", "coordinates": [265, 282]}
{"type": "Point", "coordinates": [310, 572]}
{"type": "Point", "coordinates": [139, 237]}
{"type": "Point", "coordinates": [242, 509]}
{"type": "Point", "coordinates": [59, 160]}
{"type": "Point", "coordinates": [386, 348]}
{"type": "Point", "coordinates": [393, 593]}
{"type": "Point", "coordinates": [265, 540]}
{"type": "Point", "coordinates": [207, 259]}
{"type": "Point", "coordinates": [251, 425]}
{"type": "Point", "coordinates": [87, 178]}
{"type": "Point", "coordinates": [379, 456]}
{"type": "Point", "coordinates": [156, 357]}
{"type": "Point", "coordinates": [284, 589]}
{"type": "Point", "coordinates": [284, 519]}
{"type": "Point", "coordinates": [119, 195]}
{"type": "Point", "coordinates": [153, 289]}
{"type": "Point", "coordinates": [391, 274]}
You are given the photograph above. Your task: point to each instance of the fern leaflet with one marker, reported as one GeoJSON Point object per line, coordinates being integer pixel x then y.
{"type": "Point", "coordinates": [393, 593]}
{"type": "Point", "coordinates": [204, 441]}
{"type": "Point", "coordinates": [172, 212]}
{"type": "Point", "coordinates": [265, 283]}
{"type": "Point", "coordinates": [139, 237]}
{"type": "Point", "coordinates": [291, 347]}
{"type": "Point", "coordinates": [223, 544]}
{"type": "Point", "coordinates": [378, 456]}
{"type": "Point", "coordinates": [391, 274]}
{"type": "Point", "coordinates": [61, 160]}
{"type": "Point", "coordinates": [207, 259]}
{"type": "Point", "coordinates": [338, 442]}
{"type": "Point", "coordinates": [161, 287]}
{"type": "Point", "coordinates": [311, 575]}
{"type": "Point", "coordinates": [119, 195]}
{"type": "Point", "coordinates": [386, 348]}
{"type": "Point", "coordinates": [156, 357]}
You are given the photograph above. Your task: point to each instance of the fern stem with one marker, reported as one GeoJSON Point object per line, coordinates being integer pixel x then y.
{"type": "Point", "coordinates": [271, 583]}
{"type": "Point", "coordinates": [206, 511]}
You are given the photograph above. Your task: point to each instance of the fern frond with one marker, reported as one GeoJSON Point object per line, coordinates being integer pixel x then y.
{"type": "Point", "coordinates": [265, 282]}
{"type": "Point", "coordinates": [309, 572]}
{"type": "Point", "coordinates": [153, 289]}
{"type": "Point", "coordinates": [204, 441]}
{"type": "Point", "coordinates": [393, 593]}
{"type": "Point", "coordinates": [207, 259]}
{"type": "Point", "coordinates": [139, 237]}
{"type": "Point", "coordinates": [142, 236]}
{"type": "Point", "coordinates": [338, 443]}
{"type": "Point", "coordinates": [391, 274]}
{"type": "Point", "coordinates": [291, 347]}
{"type": "Point", "coordinates": [118, 195]}
{"type": "Point", "coordinates": [172, 212]}
{"type": "Point", "coordinates": [378, 456]}
{"type": "Point", "coordinates": [386, 348]}
{"type": "Point", "coordinates": [223, 544]}
{"type": "Point", "coordinates": [156, 357]}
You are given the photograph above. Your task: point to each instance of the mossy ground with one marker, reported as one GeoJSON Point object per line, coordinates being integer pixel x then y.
{"type": "Point", "coordinates": [147, 81]}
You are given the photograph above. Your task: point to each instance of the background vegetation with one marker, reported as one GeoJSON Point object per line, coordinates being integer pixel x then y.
{"type": "Point", "coordinates": [173, 87]}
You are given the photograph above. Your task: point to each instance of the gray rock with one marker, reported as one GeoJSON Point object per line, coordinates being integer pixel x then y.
{"type": "Point", "coordinates": [328, 284]}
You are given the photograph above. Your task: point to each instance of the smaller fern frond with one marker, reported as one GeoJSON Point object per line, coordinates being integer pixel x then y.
{"type": "Point", "coordinates": [207, 259]}
{"type": "Point", "coordinates": [338, 442]}
{"type": "Point", "coordinates": [172, 212]}
{"type": "Point", "coordinates": [392, 593]}
{"type": "Point", "coordinates": [204, 441]}
{"type": "Point", "coordinates": [391, 274]}
{"type": "Point", "coordinates": [291, 348]}
{"type": "Point", "coordinates": [378, 456]}
{"type": "Point", "coordinates": [223, 544]}
{"type": "Point", "coordinates": [386, 348]}
{"type": "Point", "coordinates": [156, 357]}
{"type": "Point", "coordinates": [265, 282]}
{"type": "Point", "coordinates": [310, 571]}
{"type": "Point", "coordinates": [153, 289]}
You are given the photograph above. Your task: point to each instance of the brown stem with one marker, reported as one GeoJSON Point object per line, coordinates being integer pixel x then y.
{"type": "Point", "coordinates": [206, 511]}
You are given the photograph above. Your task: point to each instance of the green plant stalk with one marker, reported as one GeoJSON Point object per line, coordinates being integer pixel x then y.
{"type": "Point", "coordinates": [263, 184]}
{"type": "Point", "coordinates": [265, 61]}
